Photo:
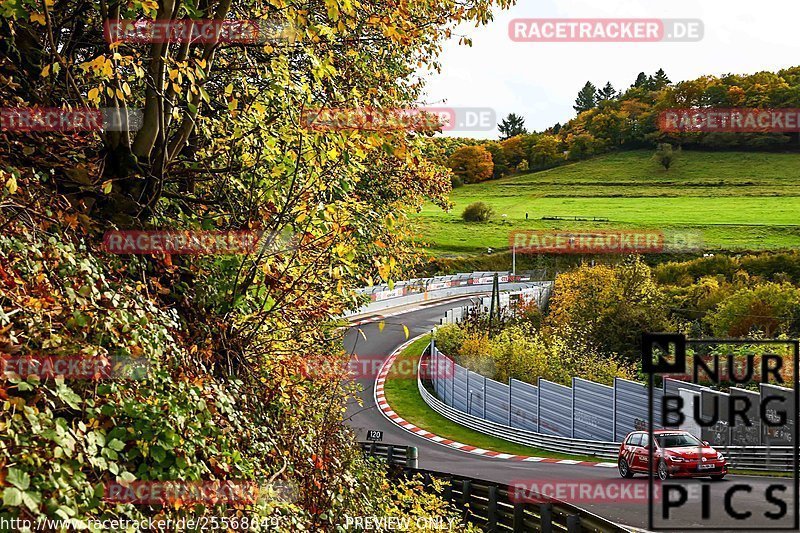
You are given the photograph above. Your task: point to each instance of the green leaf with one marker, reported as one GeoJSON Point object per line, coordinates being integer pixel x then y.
{"type": "Point", "coordinates": [32, 500]}
{"type": "Point", "coordinates": [158, 453]}
{"type": "Point", "coordinates": [116, 445]}
{"type": "Point", "coordinates": [127, 477]}
{"type": "Point", "coordinates": [12, 497]}
{"type": "Point", "coordinates": [18, 478]}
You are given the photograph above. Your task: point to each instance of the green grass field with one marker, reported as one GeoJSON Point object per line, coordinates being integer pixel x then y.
{"type": "Point", "coordinates": [736, 200]}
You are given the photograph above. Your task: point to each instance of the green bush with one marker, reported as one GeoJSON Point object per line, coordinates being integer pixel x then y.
{"type": "Point", "coordinates": [449, 339]}
{"type": "Point", "coordinates": [477, 212]}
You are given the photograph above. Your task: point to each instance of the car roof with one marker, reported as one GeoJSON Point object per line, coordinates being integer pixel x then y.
{"type": "Point", "coordinates": [660, 431]}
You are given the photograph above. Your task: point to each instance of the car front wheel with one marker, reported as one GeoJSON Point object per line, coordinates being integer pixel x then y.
{"type": "Point", "coordinates": [624, 469]}
{"type": "Point", "coordinates": [718, 477]}
{"type": "Point", "coordinates": [663, 473]}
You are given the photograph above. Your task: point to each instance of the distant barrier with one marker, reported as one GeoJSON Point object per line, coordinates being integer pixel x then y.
{"type": "Point", "coordinates": [573, 420]}
{"type": "Point", "coordinates": [491, 506]}
{"type": "Point", "coordinates": [419, 290]}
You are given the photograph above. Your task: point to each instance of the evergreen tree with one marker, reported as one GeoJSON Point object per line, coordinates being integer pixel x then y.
{"type": "Point", "coordinates": [511, 126]}
{"type": "Point", "coordinates": [660, 80]}
{"type": "Point", "coordinates": [641, 81]}
{"type": "Point", "coordinates": [607, 93]}
{"type": "Point", "coordinates": [587, 98]}
{"type": "Point", "coordinates": [556, 128]}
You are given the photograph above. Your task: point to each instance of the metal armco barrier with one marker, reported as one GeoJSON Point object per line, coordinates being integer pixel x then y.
{"type": "Point", "coordinates": [770, 458]}
{"type": "Point", "coordinates": [405, 456]}
{"type": "Point", "coordinates": [424, 289]}
{"type": "Point", "coordinates": [492, 507]}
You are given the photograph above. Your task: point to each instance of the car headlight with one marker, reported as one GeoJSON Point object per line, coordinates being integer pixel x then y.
{"type": "Point", "coordinates": [675, 458]}
{"type": "Point", "coordinates": [720, 457]}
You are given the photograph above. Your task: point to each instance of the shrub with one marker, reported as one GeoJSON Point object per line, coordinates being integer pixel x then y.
{"type": "Point", "coordinates": [449, 339]}
{"type": "Point", "coordinates": [477, 212]}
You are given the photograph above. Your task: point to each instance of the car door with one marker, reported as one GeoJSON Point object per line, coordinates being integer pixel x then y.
{"type": "Point", "coordinates": [643, 453]}
{"type": "Point", "coordinates": [631, 449]}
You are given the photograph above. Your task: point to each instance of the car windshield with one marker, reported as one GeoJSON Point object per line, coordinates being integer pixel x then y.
{"type": "Point", "coordinates": [678, 440]}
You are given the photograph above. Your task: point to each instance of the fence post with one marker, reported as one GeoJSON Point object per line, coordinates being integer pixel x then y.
{"type": "Point", "coordinates": [484, 399]}
{"type": "Point", "coordinates": [572, 428]}
{"type": "Point", "coordinates": [573, 523]}
{"type": "Point", "coordinates": [453, 385]}
{"type": "Point", "coordinates": [614, 415]}
{"type": "Point", "coordinates": [519, 518]}
{"type": "Point", "coordinates": [539, 404]}
{"type": "Point", "coordinates": [469, 396]}
{"type": "Point", "coordinates": [447, 495]}
{"type": "Point", "coordinates": [372, 449]}
{"type": "Point", "coordinates": [389, 454]}
{"type": "Point", "coordinates": [466, 492]}
{"type": "Point", "coordinates": [412, 457]}
{"type": "Point", "coordinates": [492, 509]}
{"type": "Point", "coordinates": [546, 517]}
{"type": "Point", "coordinates": [509, 401]}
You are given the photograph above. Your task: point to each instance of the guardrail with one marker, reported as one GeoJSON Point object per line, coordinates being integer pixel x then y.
{"type": "Point", "coordinates": [767, 458]}
{"type": "Point", "coordinates": [415, 291]}
{"type": "Point", "coordinates": [491, 505]}
{"type": "Point", "coordinates": [405, 456]}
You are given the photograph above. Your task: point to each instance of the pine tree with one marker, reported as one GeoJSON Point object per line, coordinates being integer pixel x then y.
{"type": "Point", "coordinates": [511, 126]}
{"type": "Point", "coordinates": [660, 80]}
{"type": "Point", "coordinates": [641, 81]}
{"type": "Point", "coordinates": [607, 93]}
{"type": "Point", "coordinates": [587, 98]}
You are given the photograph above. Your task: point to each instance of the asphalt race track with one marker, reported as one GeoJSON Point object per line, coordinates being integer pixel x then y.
{"type": "Point", "coordinates": [627, 508]}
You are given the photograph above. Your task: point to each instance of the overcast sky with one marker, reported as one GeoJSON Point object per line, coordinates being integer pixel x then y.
{"type": "Point", "coordinates": [541, 80]}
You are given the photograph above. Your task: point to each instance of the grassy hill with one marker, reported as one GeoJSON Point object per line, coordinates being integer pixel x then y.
{"type": "Point", "coordinates": [738, 201]}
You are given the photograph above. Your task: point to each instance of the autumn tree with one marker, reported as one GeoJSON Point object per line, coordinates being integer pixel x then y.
{"type": "Point", "coordinates": [610, 306]}
{"type": "Point", "coordinates": [472, 164]}
{"type": "Point", "coordinates": [232, 136]}
{"type": "Point", "coordinates": [768, 309]}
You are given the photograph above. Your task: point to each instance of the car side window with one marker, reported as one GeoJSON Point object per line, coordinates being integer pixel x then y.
{"type": "Point", "coordinates": [635, 440]}
{"type": "Point", "coordinates": [645, 441]}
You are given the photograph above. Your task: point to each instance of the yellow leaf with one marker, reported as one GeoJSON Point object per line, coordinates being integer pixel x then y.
{"type": "Point", "coordinates": [120, 94]}
{"type": "Point", "coordinates": [107, 187]}
{"type": "Point", "coordinates": [46, 71]}
{"type": "Point", "coordinates": [38, 18]}
{"type": "Point", "coordinates": [11, 185]}
{"type": "Point", "coordinates": [381, 325]}
{"type": "Point", "coordinates": [94, 94]}
{"type": "Point", "coordinates": [405, 330]}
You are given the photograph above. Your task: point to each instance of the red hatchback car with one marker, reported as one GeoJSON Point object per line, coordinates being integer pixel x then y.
{"type": "Point", "coordinates": [676, 453]}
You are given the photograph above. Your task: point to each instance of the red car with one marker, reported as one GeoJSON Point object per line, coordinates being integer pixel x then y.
{"type": "Point", "coordinates": [676, 454]}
